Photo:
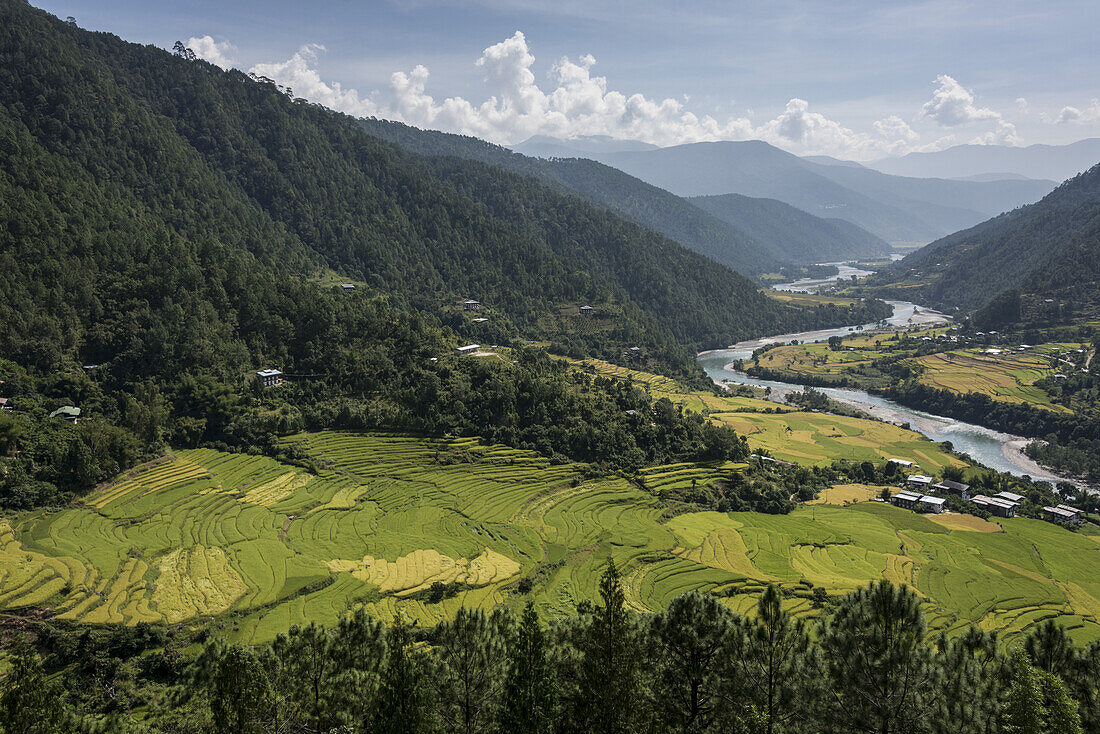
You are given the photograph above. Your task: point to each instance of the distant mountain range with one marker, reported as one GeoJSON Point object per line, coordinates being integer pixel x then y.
{"type": "Point", "coordinates": [737, 234]}
{"type": "Point", "coordinates": [1048, 250]}
{"type": "Point", "coordinates": [897, 209]}
{"type": "Point", "coordinates": [794, 232]}
{"type": "Point", "coordinates": [988, 162]}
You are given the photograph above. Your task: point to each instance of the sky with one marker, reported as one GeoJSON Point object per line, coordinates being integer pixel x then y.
{"type": "Point", "coordinates": [849, 78]}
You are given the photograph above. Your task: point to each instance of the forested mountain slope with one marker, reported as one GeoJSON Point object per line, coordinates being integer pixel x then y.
{"type": "Point", "coordinates": [648, 205]}
{"type": "Point", "coordinates": [749, 245]}
{"type": "Point", "coordinates": [174, 227]}
{"type": "Point", "coordinates": [800, 237]}
{"type": "Point", "coordinates": [1050, 249]}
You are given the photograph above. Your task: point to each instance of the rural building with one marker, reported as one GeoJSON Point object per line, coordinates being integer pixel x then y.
{"type": "Point", "coordinates": [468, 349]}
{"type": "Point", "coordinates": [995, 505]}
{"type": "Point", "coordinates": [1063, 514]}
{"type": "Point", "coordinates": [587, 310]}
{"type": "Point", "coordinates": [1010, 496]}
{"type": "Point", "coordinates": [950, 487]}
{"type": "Point", "coordinates": [933, 504]}
{"type": "Point", "coordinates": [480, 320]}
{"type": "Point", "coordinates": [4, 404]}
{"type": "Point", "coordinates": [471, 305]}
{"type": "Point", "coordinates": [347, 287]}
{"type": "Point", "coordinates": [269, 377]}
{"type": "Point", "coordinates": [919, 481]}
{"type": "Point", "coordinates": [91, 367]}
{"type": "Point", "coordinates": [66, 412]}
{"type": "Point", "coordinates": [905, 500]}
{"type": "Point", "coordinates": [901, 462]}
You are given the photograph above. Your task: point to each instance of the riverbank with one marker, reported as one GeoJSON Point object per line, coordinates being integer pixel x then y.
{"type": "Point", "coordinates": [999, 451]}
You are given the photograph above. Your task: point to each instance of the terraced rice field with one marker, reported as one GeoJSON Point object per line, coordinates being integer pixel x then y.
{"type": "Point", "coordinates": [259, 545]}
{"type": "Point", "coordinates": [1006, 377]}
{"type": "Point", "coordinates": [788, 434]}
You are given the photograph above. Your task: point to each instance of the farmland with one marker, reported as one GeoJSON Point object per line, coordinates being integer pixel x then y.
{"type": "Point", "coordinates": [793, 435]}
{"type": "Point", "coordinates": [421, 526]}
{"type": "Point", "coordinates": [1005, 374]}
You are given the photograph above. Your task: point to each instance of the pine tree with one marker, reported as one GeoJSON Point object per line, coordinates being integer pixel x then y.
{"type": "Point", "coordinates": [470, 672]}
{"type": "Point", "coordinates": [971, 685]}
{"type": "Point", "coordinates": [359, 649]}
{"type": "Point", "coordinates": [238, 691]}
{"type": "Point", "coordinates": [527, 707]}
{"type": "Point", "coordinates": [402, 708]}
{"type": "Point", "coordinates": [686, 644]}
{"type": "Point", "coordinates": [605, 682]}
{"type": "Point", "coordinates": [1050, 648]}
{"type": "Point", "coordinates": [774, 665]}
{"type": "Point", "coordinates": [879, 668]}
{"type": "Point", "coordinates": [1024, 712]}
{"type": "Point", "coordinates": [309, 672]}
{"type": "Point", "coordinates": [30, 703]}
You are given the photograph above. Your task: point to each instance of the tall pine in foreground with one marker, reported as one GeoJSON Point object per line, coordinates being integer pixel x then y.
{"type": "Point", "coordinates": [605, 685]}
{"type": "Point", "coordinates": [30, 703]}
{"type": "Point", "coordinates": [775, 666]}
{"type": "Point", "coordinates": [878, 665]}
{"type": "Point", "coordinates": [528, 701]}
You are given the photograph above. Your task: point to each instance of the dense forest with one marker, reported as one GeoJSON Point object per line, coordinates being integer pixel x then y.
{"type": "Point", "coordinates": [867, 665]}
{"type": "Point", "coordinates": [167, 228]}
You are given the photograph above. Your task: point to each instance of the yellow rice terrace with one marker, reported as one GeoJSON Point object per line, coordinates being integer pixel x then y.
{"type": "Point", "coordinates": [423, 526]}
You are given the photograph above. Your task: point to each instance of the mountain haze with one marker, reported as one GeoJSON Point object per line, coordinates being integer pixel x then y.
{"type": "Point", "coordinates": [897, 209]}
{"type": "Point", "coordinates": [1053, 162]}
{"type": "Point", "coordinates": [799, 237]}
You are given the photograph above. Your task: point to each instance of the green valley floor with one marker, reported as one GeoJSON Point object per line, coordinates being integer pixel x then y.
{"type": "Point", "coordinates": [420, 526]}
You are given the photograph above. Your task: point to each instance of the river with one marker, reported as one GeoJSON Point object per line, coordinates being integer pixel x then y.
{"type": "Point", "coordinates": [1000, 451]}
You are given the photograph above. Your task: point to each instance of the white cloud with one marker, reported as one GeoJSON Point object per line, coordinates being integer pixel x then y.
{"type": "Point", "coordinates": [1077, 115]}
{"type": "Point", "coordinates": [1022, 105]}
{"type": "Point", "coordinates": [297, 74]}
{"type": "Point", "coordinates": [219, 53]}
{"type": "Point", "coordinates": [577, 103]}
{"type": "Point", "coordinates": [953, 104]}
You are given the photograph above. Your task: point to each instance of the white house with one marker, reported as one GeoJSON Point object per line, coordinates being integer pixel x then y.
{"type": "Point", "coordinates": [468, 349]}
{"type": "Point", "coordinates": [269, 377]}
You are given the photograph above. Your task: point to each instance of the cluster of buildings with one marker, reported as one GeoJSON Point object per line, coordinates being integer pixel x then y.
{"type": "Point", "coordinates": [922, 494]}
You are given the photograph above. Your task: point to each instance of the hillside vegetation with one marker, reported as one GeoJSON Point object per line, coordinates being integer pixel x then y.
{"type": "Point", "coordinates": [1045, 250]}
{"type": "Point", "coordinates": [173, 227]}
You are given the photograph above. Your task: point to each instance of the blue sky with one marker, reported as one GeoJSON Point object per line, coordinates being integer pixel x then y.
{"type": "Point", "coordinates": [852, 79]}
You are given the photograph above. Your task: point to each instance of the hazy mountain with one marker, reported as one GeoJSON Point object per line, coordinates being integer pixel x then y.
{"type": "Point", "coordinates": [1050, 249]}
{"type": "Point", "coordinates": [544, 146]}
{"type": "Point", "coordinates": [798, 236]}
{"type": "Point", "coordinates": [745, 246]}
{"type": "Point", "coordinates": [1054, 162]}
{"type": "Point", "coordinates": [899, 210]}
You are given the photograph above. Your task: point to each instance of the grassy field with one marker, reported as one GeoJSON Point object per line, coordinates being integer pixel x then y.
{"type": "Point", "coordinates": [257, 545]}
{"type": "Point", "coordinates": [793, 435]}
{"type": "Point", "coordinates": [1009, 377]}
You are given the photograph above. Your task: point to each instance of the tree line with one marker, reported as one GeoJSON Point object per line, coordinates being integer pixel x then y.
{"type": "Point", "coordinates": [868, 665]}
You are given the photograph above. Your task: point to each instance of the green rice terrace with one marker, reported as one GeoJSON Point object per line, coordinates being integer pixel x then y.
{"type": "Point", "coordinates": [421, 526]}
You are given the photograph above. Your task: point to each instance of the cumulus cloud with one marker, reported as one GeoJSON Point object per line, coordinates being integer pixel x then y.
{"type": "Point", "coordinates": [219, 53]}
{"type": "Point", "coordinates": [578, 102]}
{"type": "Point", "coordinates": [953, 104]}
{"type": "Point", "coordinates": [1081, 116]}
{"type": "Point", "coordinates": [298, 75]}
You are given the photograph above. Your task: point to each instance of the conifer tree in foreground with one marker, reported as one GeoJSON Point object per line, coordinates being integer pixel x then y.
{"type": "Point", "coordinates": [604, 696]}
{"type": "Point", "coordinates": [30, 703]}
{"type": "Point", "coordinates": [402, 706]}
{"type": "Point", "coordinates": [686, 648]}
{"type": "Point", "coordinates": [774, 663]}
{"type": "Point", "coordinates": [471, 670]}
{"type": "Point", "coordinates": [529, 688]}
{"type": "Point", "coordinates": [879, 668]}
